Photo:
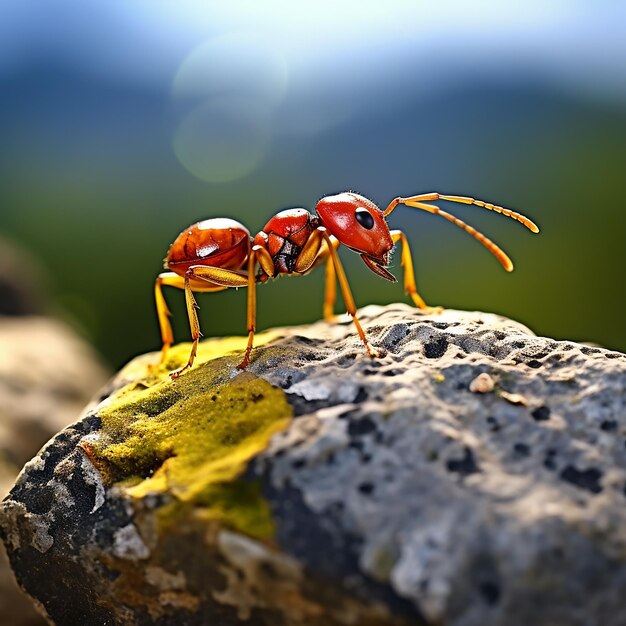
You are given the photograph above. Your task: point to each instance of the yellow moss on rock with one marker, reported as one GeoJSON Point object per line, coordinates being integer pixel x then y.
{"type": "Point", "coordinates": [193, 438]}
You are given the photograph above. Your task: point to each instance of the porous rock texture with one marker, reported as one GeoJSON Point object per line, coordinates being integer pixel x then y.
{"type": "Point", "coordinates": [472, 475]}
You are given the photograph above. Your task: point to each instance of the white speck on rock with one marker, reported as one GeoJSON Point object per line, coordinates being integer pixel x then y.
{"type": "Point", "coordinates": [41, 539]}
{"type": "Point", "coordinates": [92, 477]}
{"type": "Point", "coordinates": [425, 567]}
{"type": "Point", "coordinates": [128, 544]}
{"type": "Point", "coordinates": [310, 390]}
{"type": "Point", "coordinates": [483, 383]}
{"type": "Point", "coordinates": [163, 580]}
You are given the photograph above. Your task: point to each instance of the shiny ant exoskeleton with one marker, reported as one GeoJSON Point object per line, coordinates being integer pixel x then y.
{"type": "Point", "coordinates": [219, 253]}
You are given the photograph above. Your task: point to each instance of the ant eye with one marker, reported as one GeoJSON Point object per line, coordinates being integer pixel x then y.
{"type": "Point", "coordinates": [364, 217]}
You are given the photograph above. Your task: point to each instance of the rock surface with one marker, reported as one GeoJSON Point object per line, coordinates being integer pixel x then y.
{"type": "Point", "coordinates": [473, 475]}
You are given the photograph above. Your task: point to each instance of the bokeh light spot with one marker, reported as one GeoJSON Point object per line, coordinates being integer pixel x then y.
{"type": "Point", "coordinates": [223, 140]}
{"type": "Point", "coordinates": [236, 64]}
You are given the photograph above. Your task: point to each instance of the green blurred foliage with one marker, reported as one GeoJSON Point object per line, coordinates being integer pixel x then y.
{"type": "Point", "coordinates": [99, 202]}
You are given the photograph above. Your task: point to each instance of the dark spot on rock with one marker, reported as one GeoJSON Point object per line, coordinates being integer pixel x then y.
{"type": "Point", "coordinates": [539, 355]}
{"type": "Point", "coordinates": [490, 592]}
{"type": "Point", "coordinates": [362, 426]}
{"type": "Point", "coordinates": [285, 384]}
{"type": "Point", "coordinates": [534, 363]}
{"type": "Point", "coordinates": [269, 570]}
{"type": "Point", "coordinates": [392, 372]}
{"type": "Point", "coordinates": [549, 460]}
{"type": "Point", "coordinates": [440, 325]}
{"type": "Point", "coordinates": [214, 398]}
{"type": "Point", "coordinates": [608, 425]}
{"type": "Point", "coordinates": [613, 355]}
{"type": "Point", "coordinates": [394, 335]}
{"type": "Point", "coordinates": [301, 406]}
{"type": "Point", "coordinates": [436, 349]}
{"type": "Point", "coordinates": [361, 395]}
{"type": "Point", "coordinates": [499, 334]}
{"type": "Point", "coordinates": [41, 500]}
{"type": "Point", "coordinates": [346, 360]}
{"type": "Point", "coordinates": [349, 414]}
{"type": "Point", "coordinates": [494, 426]}
{"type": "Point", "coordinates": [366, 457]}
{"type": "Point", "coordinates": [366, 488]}
{"type": "Point", "coordinates": [521, 450]}
{"type": "Point", "coordinates": [541, 414]}
{"type": "Point", "coordinates": [519, 344]}
{"type": "Point", "coordinates": [308, 340]}
{"type": "Point", "coordinates": [298, 463]}
{"type": "Point", "coordinates": [256, 397]}
{"type": "Point", "coordinates": [589, 350]}
{"type": "Point", "coordinates": [465, 466]}
{"type": "Point", "coordinates": [584, 479]}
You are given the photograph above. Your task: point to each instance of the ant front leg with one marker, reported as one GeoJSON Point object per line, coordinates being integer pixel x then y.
{"type": "Point", "coordinates": [409, 274]}
{"type": "Point", "coordinates": [345, 288]}
{"type": "Point", "coordinates": [330, 290]}
{"type": "Point", "coordinates": [330, 285]}
{"type": "Point", "coordinates": [316, 250]}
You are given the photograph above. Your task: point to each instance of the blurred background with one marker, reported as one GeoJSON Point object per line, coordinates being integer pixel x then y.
{"type": "Point", "coordinates": [123, 122]}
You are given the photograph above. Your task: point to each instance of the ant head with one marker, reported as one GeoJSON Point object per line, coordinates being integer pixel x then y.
{"type": "Point", "coordinates": [360, 225]}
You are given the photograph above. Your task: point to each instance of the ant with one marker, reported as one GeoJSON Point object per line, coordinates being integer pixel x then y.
{"type": "Point", "coordinates": [219, 253]}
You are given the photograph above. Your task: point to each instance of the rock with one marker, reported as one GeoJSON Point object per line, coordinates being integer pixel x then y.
{"type": "Point", "coordinates": [22, 281]}
{"type": "Point", "coordinates": [47, 375]}
{"type": "Point", "coordinates": [322, 487]}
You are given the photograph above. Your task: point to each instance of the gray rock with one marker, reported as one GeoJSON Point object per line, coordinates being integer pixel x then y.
{"type": "Point", "coordinates": [473, 475]}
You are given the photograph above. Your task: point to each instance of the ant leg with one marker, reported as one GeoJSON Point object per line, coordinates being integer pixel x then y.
{"type": "Point", "coordinates": [251, 310]}
{"type": "Point", "coordinates": [409, 275]}
{"type": "Point", "coordinates": [233, 278]}
{"type": "Point", "coordinates": [215, 279]}
{"type": "Point", "coordinates": [345, 290]}
{"type": "Point", "coordinates": [330, 286]}
{"type": "Point", "coordinates": [330, 291]}
{"type": "Point", "coordinates": [192, 308]}
{"type": "Point", "coordinates": [265, 260]}
{"type": "Point", "coordinates": [163, 312]}
{"type": "Point", "coordinates": [316, 251]}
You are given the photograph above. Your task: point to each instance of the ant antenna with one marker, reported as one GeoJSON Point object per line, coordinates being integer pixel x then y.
{"type": "Point", "coordinates": [418, 203]}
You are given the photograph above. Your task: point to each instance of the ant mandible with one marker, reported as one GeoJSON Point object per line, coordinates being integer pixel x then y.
{"type": "Point", "coordinates": [219, 253]}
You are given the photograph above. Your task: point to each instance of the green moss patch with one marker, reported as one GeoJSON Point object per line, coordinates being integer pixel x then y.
{"type": "Point", "coordinates": [192, 438]}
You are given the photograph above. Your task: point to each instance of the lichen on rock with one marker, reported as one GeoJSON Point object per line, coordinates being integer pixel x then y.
{"type": "Point", "coordinates": [191, 440]}
{"type": "Point", "coordinates": [473, 475]}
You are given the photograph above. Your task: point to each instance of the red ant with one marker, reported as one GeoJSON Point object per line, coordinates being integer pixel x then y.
{"type": "Point", "coordinates": [219, 253]}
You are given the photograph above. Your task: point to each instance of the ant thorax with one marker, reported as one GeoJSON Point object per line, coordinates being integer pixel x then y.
{"type": "Point", "coordinates": [285, 235]}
